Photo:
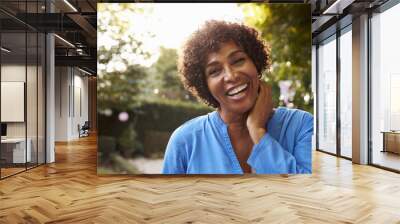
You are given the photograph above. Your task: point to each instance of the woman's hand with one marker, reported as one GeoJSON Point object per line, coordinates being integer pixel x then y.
{"type": "Point", "coordinates": [260, 113]}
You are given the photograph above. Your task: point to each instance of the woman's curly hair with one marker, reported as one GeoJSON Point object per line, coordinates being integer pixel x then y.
{"type": "Point", "coordinates": [208, 39]}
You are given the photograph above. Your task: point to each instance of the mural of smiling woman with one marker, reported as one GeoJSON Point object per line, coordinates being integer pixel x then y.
{"type": "Point", "coordinates": [222, 64]}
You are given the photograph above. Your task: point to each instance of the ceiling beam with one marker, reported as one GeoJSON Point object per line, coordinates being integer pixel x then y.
{"type": "Point", "coordinates": [82, 61]}
{"type": "Point", "coordinates": [85, 25]}
{"type": "Point", "coordinates": [338, 6]}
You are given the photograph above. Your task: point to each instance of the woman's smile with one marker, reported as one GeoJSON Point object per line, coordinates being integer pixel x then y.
{"type": "Point", "coordinates": [239, 92]}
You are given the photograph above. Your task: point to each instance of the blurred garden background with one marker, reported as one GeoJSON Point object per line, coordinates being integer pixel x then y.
{"type": "Point", "coordinates": [141, 100]}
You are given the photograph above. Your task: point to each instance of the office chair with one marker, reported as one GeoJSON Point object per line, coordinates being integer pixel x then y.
{"type": "Point", "coordinates": [84, 130]}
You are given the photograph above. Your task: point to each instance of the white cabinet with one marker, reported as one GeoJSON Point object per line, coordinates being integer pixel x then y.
{"type": "Point", "coordinates": [18, 149]}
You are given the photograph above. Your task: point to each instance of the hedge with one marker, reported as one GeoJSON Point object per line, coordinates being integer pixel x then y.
{"type": "Point", "coordinates": [149, 126]}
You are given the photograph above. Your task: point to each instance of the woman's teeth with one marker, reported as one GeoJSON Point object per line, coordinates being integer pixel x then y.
{"type": "Point", "coordinates": [237, 90]}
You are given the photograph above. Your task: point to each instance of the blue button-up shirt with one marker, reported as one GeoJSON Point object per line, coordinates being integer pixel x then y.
{"type": "Point", "coordinates": [203, 146]}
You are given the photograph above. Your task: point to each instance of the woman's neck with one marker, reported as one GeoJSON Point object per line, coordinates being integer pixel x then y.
{"type": "Point", "coordinates": [233, 120]}
{"type": "Point", "coordinates": [236, 121]}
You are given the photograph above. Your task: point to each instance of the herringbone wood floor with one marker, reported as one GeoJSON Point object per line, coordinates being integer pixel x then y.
{"type": "Point", "coordinates": [69, 191]}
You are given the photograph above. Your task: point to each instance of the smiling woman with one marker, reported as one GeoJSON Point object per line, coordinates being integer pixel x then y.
{"type": "Point", "coordinates": [222, 64]}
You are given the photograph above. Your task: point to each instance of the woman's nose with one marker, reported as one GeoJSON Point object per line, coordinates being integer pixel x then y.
{"type": "Point", "coordinates": [230, 74]}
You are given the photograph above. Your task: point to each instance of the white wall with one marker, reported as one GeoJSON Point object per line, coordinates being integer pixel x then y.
{"type": "Point", "coordinates": [71, 94]}
{"type": "Point", "coordinates": [62, 81]}
{"type": "Point", "coordinates": [81, 84]}
{"type": "Point", "coordinates": [33, 126]}
{"type": "Point", "coordinates": [12, 73]}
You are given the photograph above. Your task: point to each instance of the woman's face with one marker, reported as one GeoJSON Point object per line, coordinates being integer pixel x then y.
{"type": "Point", "coordinates": [232, 78]}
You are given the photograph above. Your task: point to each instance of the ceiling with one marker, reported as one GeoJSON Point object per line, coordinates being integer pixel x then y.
{"type": "Point", "coordinates": [73, 21]}
{"type": "Point", "coordinates": [330, 15]}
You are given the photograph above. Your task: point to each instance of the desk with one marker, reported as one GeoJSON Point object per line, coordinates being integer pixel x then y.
{"type": "Point", "coordinates": [15, 148]}
{"type": "Point", "coordinates": [391, 141]}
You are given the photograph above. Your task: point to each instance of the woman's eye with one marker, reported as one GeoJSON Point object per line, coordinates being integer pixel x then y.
{"type": "Point", "coordinates": [213, 72]}
{"type": "Point", "coordinates": [238, 61]}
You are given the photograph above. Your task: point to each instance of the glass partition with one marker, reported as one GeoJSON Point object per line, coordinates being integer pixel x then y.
{"type": "Point", "coordinates": [41, 157]}
{"type": "Point", "coordinates": [346, 92]}
{"type": "Point", "coordinates": [22, 79]}
{"type": "Point", "coordinates": [327, 95]}
{"type": "Point", "coordinates": [385, 89]}
{"type": "Point", "coordinates": [35, 48]}
{"type": "Point", "coordinates": [32, 95]}
{"type": "Point", "coordinates": [13, 109]}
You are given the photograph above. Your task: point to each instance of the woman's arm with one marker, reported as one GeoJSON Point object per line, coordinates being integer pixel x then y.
{"type": "Point", "coordinates": [268, 156]}
{"type": "Point", "coordinates": [175, 161]}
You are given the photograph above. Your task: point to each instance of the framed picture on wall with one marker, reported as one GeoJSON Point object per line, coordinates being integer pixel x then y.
{"type": "Point", "coordinates": [12, 101]}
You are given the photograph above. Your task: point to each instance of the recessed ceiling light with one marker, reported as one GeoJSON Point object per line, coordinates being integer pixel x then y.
{"type": "Point", "coordinates": [338, 6]}
{"type": "Point", "coordinates": [70, 5]}
{"type": "Point", "coordinates": [5, 50]}
{"type": "Point", "coordinates": [86, 72]}
{"type": "Point", "coordinates": [64, 40]}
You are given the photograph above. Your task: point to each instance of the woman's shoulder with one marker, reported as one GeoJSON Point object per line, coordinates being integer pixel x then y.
{"type": "Point", "coordinates": [195, 123]}
{"type": "Point", "coordinates": [289, 113]}
{"type": "Point", "coordinates": [191, 126]}
{"type": "Point", "coordinates": [292, 117]}
{"type": "Point", "coordinates": [290, 123]}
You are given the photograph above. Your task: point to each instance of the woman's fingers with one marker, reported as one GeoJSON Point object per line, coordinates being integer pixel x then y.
{"type": "Point", "coordinates": [261, 94]}
{"type": "Point", "coordinates": [268, 94]}
{"type": "Point", "coordinates": [264, 95]}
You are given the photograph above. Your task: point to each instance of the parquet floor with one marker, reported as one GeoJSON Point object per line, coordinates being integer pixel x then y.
{"type": "Point", "coordinates": [69, 191]}
{"type": "Point", "coordinates": [9, 171]}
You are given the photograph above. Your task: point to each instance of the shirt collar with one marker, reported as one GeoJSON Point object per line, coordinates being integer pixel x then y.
{"type": "Point", "coordinates": [216, 118]}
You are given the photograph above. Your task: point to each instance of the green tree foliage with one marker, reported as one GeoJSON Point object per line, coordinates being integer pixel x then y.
{"type": "Point", "coordinates": [121, 78]}
{"type": "Point", "coordinates": [287, 29]}
{"type": "Point", "coordinates": [166, 68]}
{"type": "Point", "coordinates": [120, 51]}
{"type": "Point", "coordinates": [119, 90]}
{"type": "Point", "coordinates": [166, 71]}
